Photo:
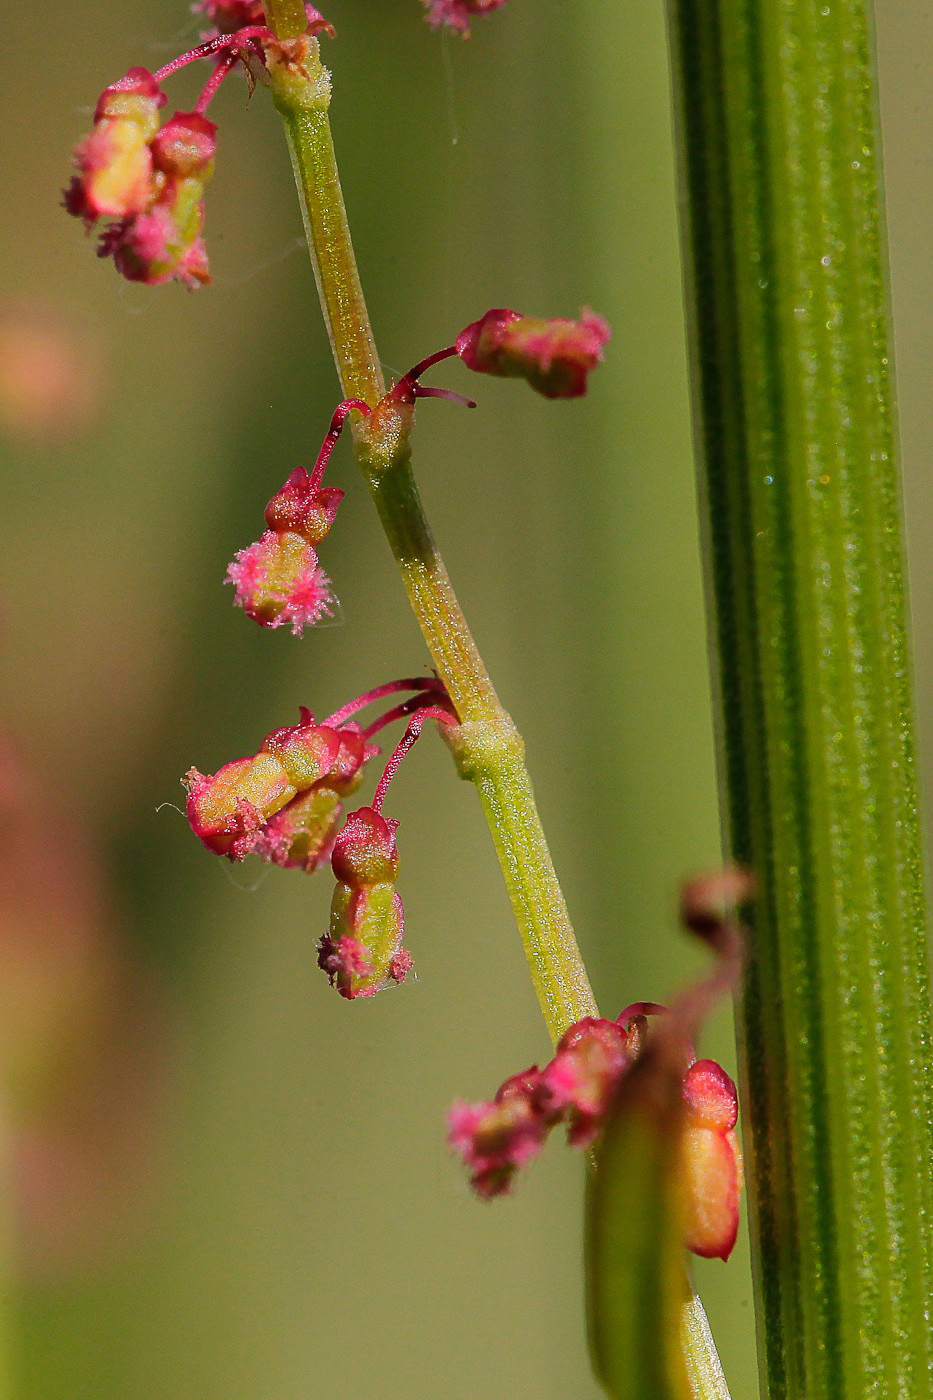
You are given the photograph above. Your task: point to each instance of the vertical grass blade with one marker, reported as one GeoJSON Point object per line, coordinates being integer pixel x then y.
{"type": "Point", "coordinates": [787, 292]}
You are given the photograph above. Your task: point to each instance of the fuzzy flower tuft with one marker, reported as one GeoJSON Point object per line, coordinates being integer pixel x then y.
{"type": "Point", "coordinates": [278, 582]}
{"type": "Point", "coordinates": [556, 356]}
{"type": "Point", "coordinates": [457, 14]}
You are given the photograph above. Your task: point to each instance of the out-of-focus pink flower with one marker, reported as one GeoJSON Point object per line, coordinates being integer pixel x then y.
{"type": "Point", "coordinates": [50, 376]}
{"type": "Point", "coordinates": [456, 14]}
{"type": "Point", "coordinates": [556, 356]}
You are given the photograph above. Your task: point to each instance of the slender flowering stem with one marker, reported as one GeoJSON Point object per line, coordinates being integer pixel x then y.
{"type": "Point", "coordinates": [214, 84]}
{"type": "Point", "coordinates": [405, 744]}
{"type": "Point", "coordinates": [407, 707]}
{"type": "Point", "coordinates": [487, 747]}
{"type": "Point", "coordinates": [341, 413]}
{"type": "Point", "coordinates": [212, 46]}
{"type": "Point", "coordinates": [353, 707]}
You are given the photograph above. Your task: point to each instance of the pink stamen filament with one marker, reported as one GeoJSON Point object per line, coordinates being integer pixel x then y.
{"type": "Point", "coordinates": [215, 82]}
{"type": "Point", "coordinates": [410, 737]}
{"type": "Point", "coordinates": [421, 392]}
{"type": "Point", "coordinates": [341, 413]}
{"type": "Point", "coordinates": [407, 707]}
{"type": "Point", "coordinates": [211, 46]}
{"type": "Point", "coordinates": [419, 683]}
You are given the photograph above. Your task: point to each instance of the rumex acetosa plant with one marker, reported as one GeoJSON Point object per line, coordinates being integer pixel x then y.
{"type": "Point", "coordinates": [142, 180]}
{"type": "Point", "coordinates": [659, 1124]}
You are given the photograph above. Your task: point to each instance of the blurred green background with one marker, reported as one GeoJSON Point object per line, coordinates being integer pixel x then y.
{"type": "Point", "coordinates": [254, 1200]}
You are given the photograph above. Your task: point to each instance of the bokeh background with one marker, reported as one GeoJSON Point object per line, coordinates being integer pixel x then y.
{"type": "Point", "coordinates": [229, 1184]}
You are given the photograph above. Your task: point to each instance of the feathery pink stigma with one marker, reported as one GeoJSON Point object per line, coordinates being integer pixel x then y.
{"type": "Point", "coordinates": [278, 582]}
{"type": "Point", "coordinates": [456, 14]}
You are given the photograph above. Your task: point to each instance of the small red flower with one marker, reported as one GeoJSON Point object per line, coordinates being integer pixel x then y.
{"type": "Point", "coordinates": [556, 356]}
{"type": "Point", "coordinates": [279, 583]}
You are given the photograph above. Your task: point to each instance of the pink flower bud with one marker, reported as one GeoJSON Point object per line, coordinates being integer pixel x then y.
{"type": "Point", "coordinates": [186, 145]}
{"type": "Point", "coordinates": [710, 1096]}
{"type": "Point", "coordinates": [366, 852]}
{"type": "Point", "coordinates": [578, 1083]}
{"type": "Point", "coordinates": [114, 163]}
{"type": "Point", "coordinates": [555, 356]}
{"type": "Point", "coordinates": [456, 14]}
{"type": "Point", "coordinates": [365, 909]}
{"type": "Point", "coordinates": [227, 811]}
{"type": "Point", "coordinates": [306, 751]}
{"type": "Point", "coordinates": [301, 509]}
{"type": "Point", "coordinates": [278, 582]}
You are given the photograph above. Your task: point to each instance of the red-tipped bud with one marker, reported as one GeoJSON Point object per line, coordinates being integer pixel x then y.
{"type": "Point", "coordinates": [365, 853]}
{"type": "Point", "coordinates": [114, 163]}
{"type": "Point", "coordinates": [302, 510]}
{"type": "Point", "coordinates": [186, 145]}
{"type": "Point", "coordinates": [555, 356]}
{"type": "Point", "coordinates": [227, 811]}
{"type": "Point", "coordinates": [278, 582]}
{"type": "Point", "coordinates": [366, 913]}
{"type": "Point", "coordinates": [306, 752]}
{"type": "Point", "coordinates": [712, 1177]}
{"type": "Point", "coordinates": [710, 1097]}
{"type": "Point", "coordinates": [456, 14]}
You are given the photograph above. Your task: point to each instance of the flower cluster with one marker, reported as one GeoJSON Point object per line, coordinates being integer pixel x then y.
{"type": "Point", "coordinates": [457, 14]}
{"type": "Point", "coordinates": [148, 181]}
{"type": "Point", "coordinates": [577, 1087]}
{"type": "Point", "coordinates": [285, 804]}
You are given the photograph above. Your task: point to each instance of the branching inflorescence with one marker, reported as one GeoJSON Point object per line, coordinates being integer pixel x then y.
{"type": "Point", "coordinates": [285, 803]}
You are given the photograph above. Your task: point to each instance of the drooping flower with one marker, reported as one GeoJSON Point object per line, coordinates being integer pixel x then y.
{"type": "Point", "coordinates": [555, 356]}
{"type": "Point", "coordinates": [362, 951]}
{"type": "Point", "coordinates": [457, 14]}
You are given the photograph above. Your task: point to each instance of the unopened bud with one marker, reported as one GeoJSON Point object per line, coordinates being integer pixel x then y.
{"type": "Point", "coordinates": [303, 510]}
{"type": "Point", "coordinates": [114, 178]}
{"type": "Point", "coordinates": [554, 356]}
{"type": "Point", "coordinates": [227, 811]}
{"type": "Point", "coordinates": [365, 909]}
{"type": "Point", "coordinates": [185, 146]}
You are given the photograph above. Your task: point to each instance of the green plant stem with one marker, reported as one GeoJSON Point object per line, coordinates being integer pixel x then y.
{"type": "Point", "coordinates": [487, 747]}
{"type": "Point", "coordinates": [801, 493]}
{"type": "Point", "coordinates": [286, 18]}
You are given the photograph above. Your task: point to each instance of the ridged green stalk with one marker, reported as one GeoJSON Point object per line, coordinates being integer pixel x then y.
{"type": "Point", "coordinates": [800, 491]}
